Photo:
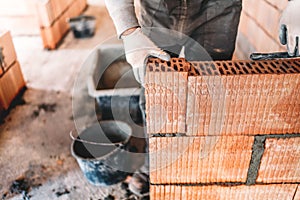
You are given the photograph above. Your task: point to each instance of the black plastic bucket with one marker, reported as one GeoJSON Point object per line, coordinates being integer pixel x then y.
{"type": "Point", "coordinates": [82, 26]}
{"type": "Point", "coordinates": [104, 153]}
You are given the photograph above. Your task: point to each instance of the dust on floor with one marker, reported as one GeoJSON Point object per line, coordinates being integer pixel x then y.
{"type": "Point", "coordinates": [35, 158]}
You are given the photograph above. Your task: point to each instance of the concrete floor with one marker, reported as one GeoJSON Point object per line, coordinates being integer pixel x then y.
{"type": "Point", "coordinates": [34, 138]}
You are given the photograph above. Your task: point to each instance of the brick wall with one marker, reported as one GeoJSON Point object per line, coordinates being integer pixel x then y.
{"type": "Point", "coordinates": [223, 130]}
{"type": "Point", "coordinates": [258, 29]}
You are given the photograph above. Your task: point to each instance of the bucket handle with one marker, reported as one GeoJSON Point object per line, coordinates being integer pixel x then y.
{"type": "Point", "coordinates": [117, 144]}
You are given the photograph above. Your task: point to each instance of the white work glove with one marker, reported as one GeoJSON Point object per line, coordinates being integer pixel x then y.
{"type": "Point", "coordinates": [290, 27]}
{"type": "Point", "coordinates": [138, 47]}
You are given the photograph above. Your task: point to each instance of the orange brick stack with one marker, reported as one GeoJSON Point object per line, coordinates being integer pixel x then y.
{"type": "Point", "coordinates": [11, 78]}
{"type": "Point", "coordinates": [53, 15]}
{"type": "Point", "coordinates": [223, 126]}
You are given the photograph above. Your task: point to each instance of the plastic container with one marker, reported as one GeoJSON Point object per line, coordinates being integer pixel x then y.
{"type": "Point", "coordinates": [82, 26]}
{"type": "Point", "coordinates": [111, 82]}
{"type": "Point", "coordinates": [105, 154]}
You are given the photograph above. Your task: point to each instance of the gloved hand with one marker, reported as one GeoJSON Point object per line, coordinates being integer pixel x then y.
{"type": "Point", "coordinates": [290, 27]}
{"type": "Point", "coordinates": [138, 47]}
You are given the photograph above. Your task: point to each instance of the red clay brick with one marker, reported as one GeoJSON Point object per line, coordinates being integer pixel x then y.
{"type": "Point", "coordinates": [166, 112]}
{"type": "Point", "coordinates": [280, 161]}
{"type": "Point", "coordinates": [297, 195]}
{"type": "Point", "coordinates": [199, 159]}
{"type": "Point", "coordinates": [45, 13]}
{"type": "Point", "coordinates": [248, 98]}
{"type": "Point", "coordinates": [53, 34]}
{"type": "Point", "coordinates": [257, 192]}
{"type": "Point", "coordinates": [242, 105]}
{"type": "Point", "coordinates": [10, 85]}
{"type": "Point", "coordinates": [8, 51]}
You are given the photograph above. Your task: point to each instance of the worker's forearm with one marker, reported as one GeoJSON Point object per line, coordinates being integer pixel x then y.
{"type": "Point", "coordinates": [123, 14]}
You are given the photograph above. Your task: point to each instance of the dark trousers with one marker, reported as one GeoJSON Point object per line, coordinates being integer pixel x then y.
{"type": "Point", "coordinates": [211, 23]}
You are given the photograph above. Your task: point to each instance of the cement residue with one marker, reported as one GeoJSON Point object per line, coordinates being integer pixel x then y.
{"type": "Point", "coordinates": [258, 149]}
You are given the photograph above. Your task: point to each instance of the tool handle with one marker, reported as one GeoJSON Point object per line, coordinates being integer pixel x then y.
{"type": "Point", "coordinates": [268, 56]}
{"type": "Point", "coordinates": [77, 138]}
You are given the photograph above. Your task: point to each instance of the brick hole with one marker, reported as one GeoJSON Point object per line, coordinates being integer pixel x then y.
{"type": "Point", "coordinates": [249, 65]}
{"type": "Point", "coordinates": [157, 70]}
{"type": "Point", "coordinates": [221, 71]}
{"type": "Point", "coordinates": [168, 63]}
{"type": "Point", "coordinates": [234, 71]}
{"type": "Point", "coordinates": [237, 66]}
{"type": "Point", "coordinates": [196, 68]}
{"type": "Point", "coordinates": [296, 65]}
{"type": "Point", "coordinates": [201, 66]}
{"type": "Point", "coordinates": [240, 67]}
{"type": "Point", "coordinates": [296, 70]}
{"type": "Point", "coordinates": [271, 67]}
{"type": "Point", "coordinates": [291, 71]}
{"type": "Point", "coordinates": [265, 65]}
{"type": "Point", "coordinates": [175, 67]}
{"type": "Point", "coordinates": [261, 68]}
{"type": "Point", "coordinates": [225, 65]}
{"type": "Point", "coordinates": [276, 62]}
{"type": "Point", "coordinates": [246, 70]}
{"type": "Point", "coordinates": [297, 62]}
{"type": "Point", "coordinates": [209, 71]}
{"type": "Point", "coordinates": [240, 72]}
{"type": "Point", "coordinates": [274, 65]}
{"type": "Point", "coordinates": [213, 66]}
{"type": "Point", "coordinates": [163, 68]}
{"type": "Point", "coordinates": [288, 67]}
{"type": "Point", "coordinates": [257, 68]}
{"type": "Point", "coordinates": [283, 69]}
{"type": "Point", "coordinates": [156, 63]}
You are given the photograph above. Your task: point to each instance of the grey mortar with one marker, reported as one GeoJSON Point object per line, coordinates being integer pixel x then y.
{"type": "Point", "coordinates": [258, 149]}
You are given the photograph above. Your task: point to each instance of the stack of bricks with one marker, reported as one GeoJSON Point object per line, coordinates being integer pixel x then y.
{"type": "Point", "coordinates": [11, 78]}
{"type": "Point", "coordinates": [53, 16]}
{"type": "Point", "coordinates": [223, 130]}
{"type": "Point", "coordinates": [259, 27]}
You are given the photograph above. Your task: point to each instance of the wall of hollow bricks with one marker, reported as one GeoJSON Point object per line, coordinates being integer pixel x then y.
{"type": "Point", "coordinates": [224, 130]}
{"type": "Point", "coordinates": [258, 28]}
